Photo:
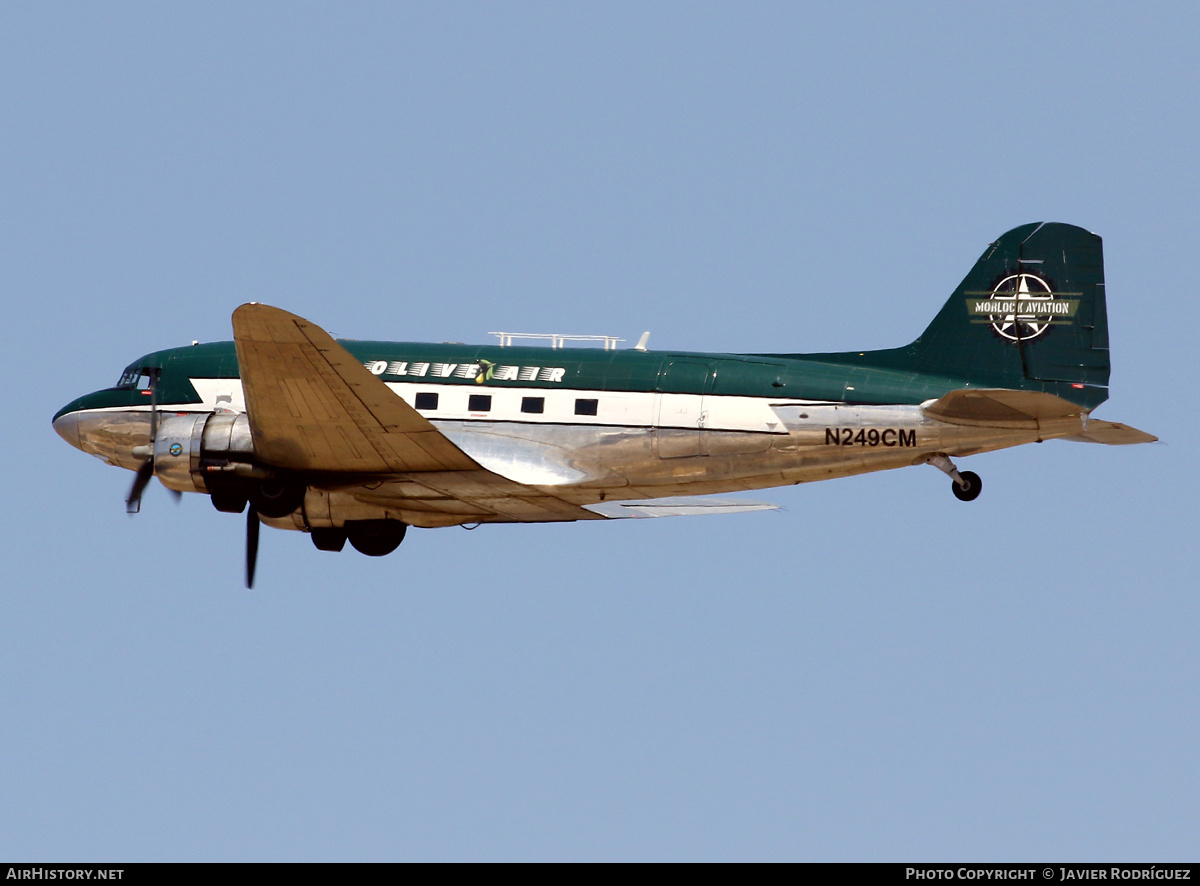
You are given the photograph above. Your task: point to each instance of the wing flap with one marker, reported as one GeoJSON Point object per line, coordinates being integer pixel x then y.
{"type": "Point", "coordinates": [445, 498]}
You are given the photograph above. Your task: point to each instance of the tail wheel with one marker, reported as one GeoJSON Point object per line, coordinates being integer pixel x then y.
{"type": "Point", "coordinates": [970, 491]}
{"type": "Point", "coordinates": [277, 497]}
{"type": "Point", "coordinates": [375, 538]}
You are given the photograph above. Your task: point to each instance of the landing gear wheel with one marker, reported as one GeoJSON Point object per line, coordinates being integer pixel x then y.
{"type": "Point", "coordinates": [973, 487]}
{"type": "Point", "coordinates": [375, 538]}
{"type": "Point", "coordinates": [229, 501]}
{"type": "Point", "coordinates": [329, 538]}
{"type": "Point", "coordinates": [277, 498]}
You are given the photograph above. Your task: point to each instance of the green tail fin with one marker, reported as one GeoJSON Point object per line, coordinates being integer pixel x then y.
{"type": "Point", "coordinates": [1029, 315]}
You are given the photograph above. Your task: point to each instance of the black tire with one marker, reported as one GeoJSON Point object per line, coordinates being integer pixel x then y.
{"type": "Point", "coordinates": [971, 491]}
{"type": "Point", "coordinates": [329, 538]}
{"type": "Point", "coordinates": [375, 538]}
{"type": "Point", "coordinates": [229, 501]}
{"type": "Point", "coordinates": [277, 497]}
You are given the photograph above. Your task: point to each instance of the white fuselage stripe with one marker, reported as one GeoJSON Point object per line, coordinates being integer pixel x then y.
{"type": "Point", "coordinates": [643, 409]}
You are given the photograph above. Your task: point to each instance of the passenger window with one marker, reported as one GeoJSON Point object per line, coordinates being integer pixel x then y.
{"type": "Point", "coordinates": [586, 407]}
{"type": "Point", "coordinates": [479, 403]}
{"type": "Point", "coordinates": [536, 405]}
{"type": "Point", "coordinates": [427, 400]}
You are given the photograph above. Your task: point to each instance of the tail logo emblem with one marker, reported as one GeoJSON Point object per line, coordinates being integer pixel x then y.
{"type": "Point", "coordinates": [1022, 307]}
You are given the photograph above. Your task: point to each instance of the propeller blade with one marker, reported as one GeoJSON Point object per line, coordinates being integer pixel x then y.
{"type": "Point", "coordinates": [176, 495]}
{"type": "Point", "coordinates": [133, 502]}
{"type": "Point", "coordinates": [153, 405]}
{"type": "Point", "coordinates": [251, 544]}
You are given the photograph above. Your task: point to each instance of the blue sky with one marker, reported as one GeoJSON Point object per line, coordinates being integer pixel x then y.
{"type": "Point", "coordinates": [877, 672]}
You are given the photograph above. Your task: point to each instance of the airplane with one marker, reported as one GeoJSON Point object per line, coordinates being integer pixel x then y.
{"type": "Point", "coordinates": [359, 440]}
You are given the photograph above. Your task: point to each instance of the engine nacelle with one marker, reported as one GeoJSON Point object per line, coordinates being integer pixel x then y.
{"type": "Point", "coordinates": [190, 448]}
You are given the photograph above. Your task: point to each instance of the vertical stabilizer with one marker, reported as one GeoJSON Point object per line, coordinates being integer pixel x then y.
{"type": "Point", "coordinates": [1030, 315]}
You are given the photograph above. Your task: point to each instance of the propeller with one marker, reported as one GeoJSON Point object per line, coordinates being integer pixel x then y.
{"type": "Point", "coordinates": [133, 501]}
{"type": "Point", "coordinates": [251, 544]}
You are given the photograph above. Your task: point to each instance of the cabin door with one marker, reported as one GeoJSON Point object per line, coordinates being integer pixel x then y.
{"type": "Point", "coordinates": [682, 387]}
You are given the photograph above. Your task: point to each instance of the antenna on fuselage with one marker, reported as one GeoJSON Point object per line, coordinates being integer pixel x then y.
{"type": "Point", "coordinates": [557, 340]}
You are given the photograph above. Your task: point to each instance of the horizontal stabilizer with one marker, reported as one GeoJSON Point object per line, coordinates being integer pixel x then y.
{"type": "Point", "coordinates": [679, 506]}
{"type": "Point", "coordinates": [1112, 433]}
{"type": "Point", "coordinates": [1001, 408]}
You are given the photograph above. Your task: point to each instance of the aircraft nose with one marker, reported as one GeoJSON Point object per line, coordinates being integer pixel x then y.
{"type": "Point", "coordinates": [67, 426]}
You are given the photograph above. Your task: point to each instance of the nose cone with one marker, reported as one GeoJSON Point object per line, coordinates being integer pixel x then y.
{"type": "Point", "coordinates": [67, 426]}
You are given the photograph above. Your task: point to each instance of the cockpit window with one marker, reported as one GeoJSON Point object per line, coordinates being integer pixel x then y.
{"type": "Point", "coordinates": [135, 377]}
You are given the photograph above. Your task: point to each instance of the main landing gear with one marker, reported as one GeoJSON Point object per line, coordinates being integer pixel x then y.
{"type": "Point", "coordinates": [966, 485]}
{"type": "Point", "coordinates": [272, 497]}
{"type": "Point", "coordinates": [279, 497]}
{"type": "Point", "coordinates": [375, 538]}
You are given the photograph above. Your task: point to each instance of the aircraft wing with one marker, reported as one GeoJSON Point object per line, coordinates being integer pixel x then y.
{"type": "Point", "coordinates": [313, 408]}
